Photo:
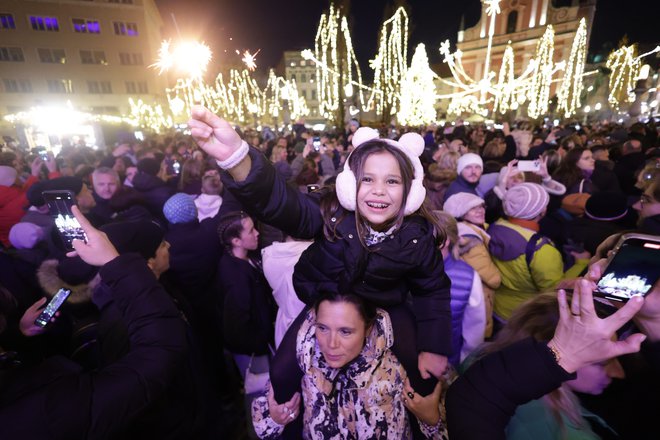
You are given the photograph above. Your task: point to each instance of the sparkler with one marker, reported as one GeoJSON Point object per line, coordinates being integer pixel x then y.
{"type": "Point", "coordinates": [249, 59]}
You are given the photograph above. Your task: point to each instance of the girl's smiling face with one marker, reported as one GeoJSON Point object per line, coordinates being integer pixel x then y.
{"type": "Point", "coordinates": [380, 191]}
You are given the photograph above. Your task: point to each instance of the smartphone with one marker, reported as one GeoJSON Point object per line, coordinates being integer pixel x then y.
{"type": "Point", "coordinates": [498, 126]}
{"type": "Point", "coordinates": [632, 268]}
{"type": "Point", "coordinates": [316, 143]}
{"type": "Point", "coordinates": [529, 165]}
{"type": "Point", "coordinates": [312, 187]}
{"type": "Point", "coordinates": [53, 306]}
{"type": "Point", "coordinates": [59, 206]}
{"type": "Point", "coordinates": [176, 166]}
{"type": "Point", "coordinates": [43, 154]}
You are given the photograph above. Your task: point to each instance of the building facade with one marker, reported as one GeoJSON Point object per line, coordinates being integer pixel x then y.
{"type": "Point", "coordinates": [294, 67]}
{"type": "Point", "coordinates": [92, 53]}
{"type": "Point", "coordinates": [522, 23]}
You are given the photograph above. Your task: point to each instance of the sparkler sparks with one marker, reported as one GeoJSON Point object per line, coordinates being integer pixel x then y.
{"type": "Point", "coordinates": [189, 58]}
{"type": "Point", "coordinates": [249, 59]}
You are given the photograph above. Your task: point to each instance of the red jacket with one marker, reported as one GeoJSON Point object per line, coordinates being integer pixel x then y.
{"type": "Point", "coordinates": [13, 202]}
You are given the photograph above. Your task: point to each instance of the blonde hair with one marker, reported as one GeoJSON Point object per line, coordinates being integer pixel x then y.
{"type": "Point", "coordinates": [276, 153]}
{"type": "Point", "coordinates": [449, 160]}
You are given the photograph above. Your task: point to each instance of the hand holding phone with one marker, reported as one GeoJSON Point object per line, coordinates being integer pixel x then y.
{"type": "Point", "coordinates": [632, 268]}
{"type": "Point", "coordinates": [53, 306]}
{"type": "Point", "coordinates": [529, 165]}
{"type": "Point", "coordinates": [59, 204]}
{"type": "Point", "coordinates": [316, 143]}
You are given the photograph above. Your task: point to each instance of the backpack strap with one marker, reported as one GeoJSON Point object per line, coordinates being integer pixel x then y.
{"type": "Point", "coordinates": [535, 243]}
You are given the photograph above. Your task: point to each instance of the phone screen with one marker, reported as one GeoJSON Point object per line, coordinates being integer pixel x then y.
{"type": "Point", "coordinates": [317, 143]}
{"type": "Point", "coordinates": [53, 305]}
{"type": "Point", "coordinates": [633, 270]}
{"type": "Point", "coordinates": [528, 165]}
{"type": "Point", "coordinates": [59, 206]}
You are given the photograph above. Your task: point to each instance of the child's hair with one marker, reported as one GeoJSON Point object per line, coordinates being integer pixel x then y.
{"type": "Point", "coordinates": [230, 227]}
{"type": "Point", "coordinates": [450, 226]}
{"type": "Point", "coordinates": [538, 318]}
{"type": "Point", "coordinates": [190, 171]}
{"type": "Point", "coordinates": [357, 160]}
{"type": "Point", "coordinates": [366, 309]}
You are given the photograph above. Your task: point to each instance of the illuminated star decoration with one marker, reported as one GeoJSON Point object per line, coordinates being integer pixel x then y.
{"type": "Point", "coordinates": [249, 59]}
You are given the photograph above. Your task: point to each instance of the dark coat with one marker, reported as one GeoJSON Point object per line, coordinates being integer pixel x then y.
{"type": "Point", "coordinates": [604, 178]}
{"type": "Point", "coordinates": [71, 404]}
{"type": "Point", "coordinates": [155, 192]}
{"type": "Point", "coordinates": [481, 401]}
{"type": "Point", "coordinates": [248, 307]}
{"type": "Point", "coordinates": [625, 168]}
{"type": "Point", "coordinates": [591, 233]}
{"type": "Point", "coordinates": [408, 262]}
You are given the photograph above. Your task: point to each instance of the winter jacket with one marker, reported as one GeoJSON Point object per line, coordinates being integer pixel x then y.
{"type": "Point", "coordinates": [473, 249]}
{"type": "Point", "coordinates": [248, 307]}
{"type": "Point", "coordinates": [461, 185]}
{"type": "Point", "coordinates": [278, 262]}
{"type": "Point", "coordinates": [408, 261]}
{"type": "Point", "coordinates": [522, 279]}
{"type": "Point", "coordinates": [363, 399]}
{"type": "Point", "coordinates": [12, 207]}
{"type": "Point", "coordinates": [155, 192]}
{"type": "Point", "coordinates": [468, 309]}
{"type": "Point", "coordinates": [483, 399]}
{"type": "Point", "coordinates": [69, 403]}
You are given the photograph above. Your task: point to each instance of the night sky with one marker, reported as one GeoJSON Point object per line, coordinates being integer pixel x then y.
{"type": "Point", "coordinates": [277, 25]}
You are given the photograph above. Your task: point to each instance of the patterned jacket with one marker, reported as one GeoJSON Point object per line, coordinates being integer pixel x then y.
{"type": "Point", "coordinates": [363, 399]}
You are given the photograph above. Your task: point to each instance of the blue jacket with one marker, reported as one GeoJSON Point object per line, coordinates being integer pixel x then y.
{"type": "Point", "coordinates": [462, 277]}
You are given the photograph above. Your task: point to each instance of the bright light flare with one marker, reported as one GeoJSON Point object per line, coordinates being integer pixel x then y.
{"type": "Point", "coordinates": [249, 59]}
{"type": "Point", "coordinates": [188, 57]}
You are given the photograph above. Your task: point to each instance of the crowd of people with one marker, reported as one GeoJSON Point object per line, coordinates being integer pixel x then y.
{"type": "Point", "coordinates": [383, 282]}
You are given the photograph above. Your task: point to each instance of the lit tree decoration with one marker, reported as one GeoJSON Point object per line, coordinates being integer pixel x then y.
{"type": "Point", "coordinates": [492, 10]}
{"type": "Point", "coordinates": [390, 64]}
{"type": "Point", "coordinates": [335, 68]}
{"type": "Point", "coordinates": [539, 89]}
{"type": "Point", "coordinates": [150, 117]}
{"type": "Point", "coordinates": [418, 91]}
{"type": "Point", "coordinates": [625, 65]}
{"type": "Point", "coordinates": [506, 97]}
{"type": "Point", "coordinates": [571, 87]}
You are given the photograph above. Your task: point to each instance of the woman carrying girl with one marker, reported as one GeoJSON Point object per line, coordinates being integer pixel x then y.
{"type": "Point", "coordinates": [373, 236]}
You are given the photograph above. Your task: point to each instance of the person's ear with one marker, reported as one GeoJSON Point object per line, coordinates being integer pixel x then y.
{"type": "Point", "coordinates": [150, 262]}
{"type": "Point", "coordinates": [235, 242]}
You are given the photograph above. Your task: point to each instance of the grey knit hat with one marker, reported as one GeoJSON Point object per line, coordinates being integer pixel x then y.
{"type": "Point", "coordinates": [525, 201]}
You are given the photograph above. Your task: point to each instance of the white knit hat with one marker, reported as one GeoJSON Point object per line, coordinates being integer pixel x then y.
{"type": "Point", "coordinates": [469, 159]}
{"type": "Point", "coordinates": [412, 144]}
{"type": "Point", "coordinates": [525, 201]}
{"type": "Point", "coordinates": [459, 204]}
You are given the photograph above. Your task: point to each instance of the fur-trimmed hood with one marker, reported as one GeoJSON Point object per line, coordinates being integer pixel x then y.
{"type": "Point", "coordinates": [50, 282]}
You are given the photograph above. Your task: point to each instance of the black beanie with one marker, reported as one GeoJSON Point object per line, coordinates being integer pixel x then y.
{"type": "Point", "coordinates": [71, 183]}
{"type": "Point", "coordinates": [141, 236]}
{"type": "Point", "coordinates": [149, 166]}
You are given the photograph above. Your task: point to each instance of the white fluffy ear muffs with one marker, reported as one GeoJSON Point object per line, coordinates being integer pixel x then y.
{"type": "Point", "coordinates": [412, 144]}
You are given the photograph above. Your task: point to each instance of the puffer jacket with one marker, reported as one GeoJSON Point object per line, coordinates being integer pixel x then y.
{"type": "Point", "coordinates": [363, 399]}
{"type": "Point", "coordinates": [522, 280]}
{"type": "Point", "coordinates": [406, 262]}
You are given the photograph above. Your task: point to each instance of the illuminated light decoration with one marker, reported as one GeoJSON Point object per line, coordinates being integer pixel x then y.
{"type": "Point", "coordinates": [506, 97]}
{"type": "Point", "coordinates": [335, 68]}
{"type": "Point", "coordinates": [390, 64]}
{"type": "Point", "coordinates": [568, 97]}
{"type": "Point", "coordinates": [539, 89]}
{"type": "Point", "coordinates": [189, 58]}
{"type": "Point", "coordinates": [624, 65]}
{"type": "Point", "coordinates": [249, 59]}
{"type": "Point", "coordinates": [418, 91]}
{"type": "Point", "coordinates": [150, 117]}
{"type": "Point", "coordinates": [492, 9]}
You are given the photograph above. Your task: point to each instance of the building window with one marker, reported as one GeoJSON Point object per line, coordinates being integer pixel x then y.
{"type": "Point", "coordinates": [139, 87]}
{"type": "Point", "coordinates": [312, 77]}
{"type": "Point", "coordinates": [11, 54]}
{"type": "Point", "coordinates": [130, 59]}
{"type": "Point", "coordinates": [128, 29]}
{"type": "Point", "coordinates": [60, 86]}
{"type": "Point", "coordinates": [56, 56]}
{"type": "Point", "coordinates": [99, 87]}
{"type": "Point", "coordinates": [303, 78]}
{"type": "Point", "coordinates": [314, 95]}
{"type": "Point", "coordinates": [512, 22]}
{"type": "Point", "coordinates": [7, 21]}
{"type": "Point", "coordinates": [93, 57]}
{"type": "Point", "coordinates": [293, 77]}
{"type": "Point", "coordinates": [304, 94]}
{"type": "Point", "coordinates": [39, 23]}
{"type": "Point", "coordinates": [11, 85]}
{"type": "Point", "coordinates": [142, 87]}
{"type": "Point", "coordinates": [83, 26]}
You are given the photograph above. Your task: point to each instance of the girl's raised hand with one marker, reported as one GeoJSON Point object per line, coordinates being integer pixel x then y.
{"type": "Point", "coordinates": [213, 134]}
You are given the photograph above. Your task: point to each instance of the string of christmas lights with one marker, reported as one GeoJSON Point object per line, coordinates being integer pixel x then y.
{"type": "Point", "coordinates": [625, 65]}
{"type": "Point", "coordinates": [569, 95]}
{"type": "Point", "coordinates": [418, 91]}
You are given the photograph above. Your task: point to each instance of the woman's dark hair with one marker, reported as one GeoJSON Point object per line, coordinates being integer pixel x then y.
{"type": "Point", "coordinates": [568, 172]}
{"type": "Point", "coordinates": [190, 171]}
{"type": "Point", "coordinates": [366, 309]}
{"type": "Point", "coordinates": [230, 227]}
{"type": "Point", "coordinates": [330, 204]}
{"type": "Point", "coordinates": [7, 307]}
